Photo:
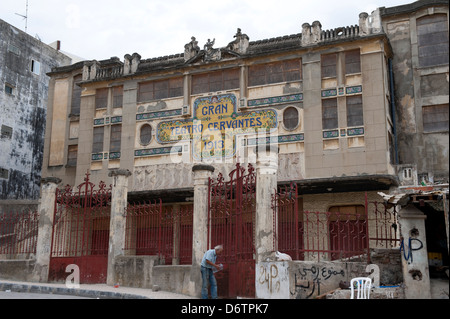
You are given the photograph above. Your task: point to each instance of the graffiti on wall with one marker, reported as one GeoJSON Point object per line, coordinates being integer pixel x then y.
{"type": "Point", "coordinates": [310, 280]}
{"type": "Point", "coordinates": [272, 280]}
{"type": "Point", "coordinates": [413, 244]}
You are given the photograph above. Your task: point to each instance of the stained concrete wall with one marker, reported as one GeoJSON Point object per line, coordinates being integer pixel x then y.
{"type": "Point", "coordinates": [20, 269]}
{"type": "Point", "coordinates": [23, 111]}
{"type": "Point", "coordinates": [146, 272]}
{"type": "Point", "coordinates": [417, 86]}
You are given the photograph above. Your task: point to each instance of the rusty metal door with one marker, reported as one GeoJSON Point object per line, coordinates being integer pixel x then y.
{"type": "Point", "coordinates": [231, 223]}
{"type": "Point", "coordinates": [81, 232]}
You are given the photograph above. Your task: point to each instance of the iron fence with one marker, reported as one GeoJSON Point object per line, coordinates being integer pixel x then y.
{"type": "Point", "coordinates": [156, 230]}
{"type": "Point", "coordinates": [335, 235]}
{"type": "Point", "coordinates": [18, 234]}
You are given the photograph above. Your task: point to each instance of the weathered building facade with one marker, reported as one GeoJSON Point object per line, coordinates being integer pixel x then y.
{"type": "Point", "coordinates": [24, 63]}
{"type": "Point", "coordinates": [418, 34]}
{"type": "Point", "coordinates": [325, 102]}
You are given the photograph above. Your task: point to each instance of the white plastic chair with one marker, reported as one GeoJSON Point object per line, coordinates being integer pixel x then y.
{"type": "Point", "coordinates": [362, 286]}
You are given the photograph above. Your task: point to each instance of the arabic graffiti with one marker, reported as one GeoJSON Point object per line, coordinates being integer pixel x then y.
{"type": "Point", "coordinates": [308, 281]}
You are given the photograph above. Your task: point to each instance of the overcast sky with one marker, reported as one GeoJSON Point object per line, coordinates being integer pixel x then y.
{"type": "Point", "coordinates": [100, 29]}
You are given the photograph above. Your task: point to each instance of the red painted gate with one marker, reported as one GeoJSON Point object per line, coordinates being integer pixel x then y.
{"type": "Point", "coordinates": [81, 232]}
{"type": "Point", "coordinates": [231, 223]}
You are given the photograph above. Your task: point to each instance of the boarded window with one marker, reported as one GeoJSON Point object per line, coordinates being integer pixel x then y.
{"type": "Point", "coordinates": [97, 142]}
{"type": "Point", "coordinates": [146, 134]}
{"type": "Point", "coordinates": [290, 118]}
{"type": "Point", "coordinates": [432, 40]}
{"type": "Point", "coordinates": [329, 114]}
{"type": "Point", "coordinates": [117, 93]}
{"type": "Point", "coordinates": [352, 62]}
{"type": "Point", "coordinates": [435, 118]}
{"type": "Point", "coordinates": [76, 96]}
{"type": "Point", "coordinates": [215, 81]}
{"type": "Point", "coordinates": [101, 98]}
{"type": "Point", "coordinates": [158, 90]}
{"type": "Point", "coordinates": [283, 71]}
{"type": "Point", "coordinates": [72, 155]}
{"type": "Point", "coordinates": [354, 111]}
{"type": "Point", "coordinates": [116, 136]}
{"type": "Point", "coordinates": [328, 65]}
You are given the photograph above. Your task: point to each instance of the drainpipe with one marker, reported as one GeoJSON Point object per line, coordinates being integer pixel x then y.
{"type": "Point", "coordinates": [392, 91]}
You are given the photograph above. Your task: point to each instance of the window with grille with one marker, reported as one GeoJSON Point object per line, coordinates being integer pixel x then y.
{"type": "Point", "coordinates": [163, 89]}
{"type": "Point", "coordinates": [282, 71]}
{"type": "Point", "coordinates": [101, 98]}
{"type": "Point", "coordinates": [215, 81]}
{"type": "Point", "coordinates": [352, 62]}
{"type": "Point", "coordinates": [72, 155]}
{"type": "Point", "coordinates": [76, 96]}
{"type": "Point", "coordinates": [354, 111]}
{"type": "Point", "coordinates": [117, 95]}
{"type": "Point", "coordinates": [328, 65]}
{"type": "Point", "coordinates": [329, 114]}
{"type": "Point", "coordinates": [432, 40]}
{"type": "Point", "coordinates": [435, 118]}
{"type": "Point", "coordinates": [97, 141]}
{"type": "Point", "coordinates": [115, 138]}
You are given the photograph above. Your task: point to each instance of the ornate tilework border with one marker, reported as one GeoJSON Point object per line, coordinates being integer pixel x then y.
{"type": "Point", "coordinates": [158, 151]}
{"type": "Point", "coordinates": [281, 139]}
{"type": "Point", "coordinates": [329, 93]}
{"type": "Point", "coordinates": [159, 114]}
{"type": "Point", "coordinates": [331, 134]}
{"type": "Point", "coordinates": [276, 99]}
{"type": "Point", "coordinates": [353, 89]}
{"type": "Point", "coordinates": [100, 121]}
{"type": "Point", "coordinates": [114, 155]}
{"type": "Point", "coordinates": [99, 156]}
{"type": "Point", "coordinates": [355, 131]}
{"type": "Point", "coordinates": [340, 91]}
{"type": "Point", "coordinates": [108, 120]}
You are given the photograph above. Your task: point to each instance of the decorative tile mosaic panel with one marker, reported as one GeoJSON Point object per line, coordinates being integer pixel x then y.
{"type": "Point", "coordinates": [355, 131]}
{"type": "Point", "coordinates": [159, 114]}
{"type": "Point", "coordinates": [276, 99]}
{"type": "Point", "coordinates": [281, 139]}
{"type": "Point", "coordinates": [97, 156]}
{"type": "Point", "coordinates": [99, 121]}
{"type": "Point", "coordinates": [116, 119]}
{"type": "Point", "coordinates": [329, 93]}
{"type": "Point", "coordinates": [331, 134]}
{"type": "Point", "coordinates": [158, 151]}
{"type": "Point", "coordinates": [114, 155]}
{"type": "Point", "coordinates": [353, 89]}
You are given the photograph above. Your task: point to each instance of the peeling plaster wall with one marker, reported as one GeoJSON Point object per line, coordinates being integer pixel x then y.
{"type": "Point", "coordinates": [416, 87]}
{"type": "Point", "coordinates": [24, 111]}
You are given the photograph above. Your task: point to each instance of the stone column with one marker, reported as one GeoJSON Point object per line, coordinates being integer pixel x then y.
{"type": "Point", "coordinates": [414, 253]}
{"type": "Point", "coordinates": [176, 211]}
{"type": "Point", "coordinates": [202, 173]}
{"type": "Point", "coordinates": [266, 184]}
{"type": "Point", "coordinates": [45, 230]}
{"type": "Point", "coordinates": [119, 195]}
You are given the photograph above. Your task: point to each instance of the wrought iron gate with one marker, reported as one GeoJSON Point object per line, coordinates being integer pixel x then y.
{"type": "Point", "coordinates": [231, 223]}
{"type": "Point", "coordinates": [81, 232]}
